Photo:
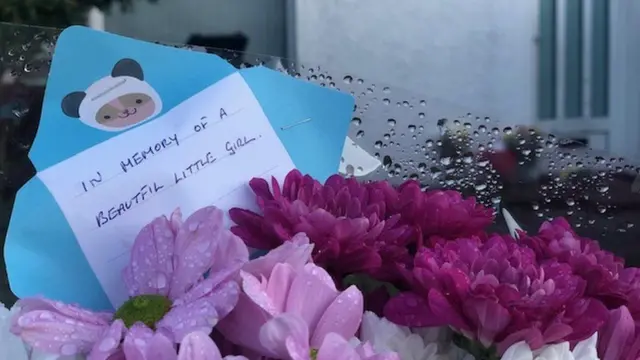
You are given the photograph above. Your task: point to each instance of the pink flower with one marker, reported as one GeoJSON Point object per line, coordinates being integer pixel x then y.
{"type": "Point", "coordinates": [495, 291]}
{"type": "Point", "coordinates": [629, 283]}
{"type": "Point", "coordinates": [286, 336]}
{"type": "Point", "coordinates": [287, 290]}
{"type": "Point", "coordinates": [199, 346]}
{"type": "Point", "coordinates": [143, 344]}
{"type": "Point", "coordinates": [444, 214]}
{"type": "Point", "coordinates": [600, 269]}
{"type": "Point", "coordinates": [348, 222]}
{"type": "Point", "coordinates": [619, 338]}
{"type": "Point", "coordinates": [169, 294]}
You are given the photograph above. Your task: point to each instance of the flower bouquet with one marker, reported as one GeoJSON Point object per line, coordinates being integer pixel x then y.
{"type": "Point", "coordinates": [516, 155]}
{"type": "Point", "coordinates": [349, 270]}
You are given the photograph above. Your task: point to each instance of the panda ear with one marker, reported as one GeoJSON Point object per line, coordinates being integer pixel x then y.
{"type": "Point", "coordinates": [128, 67]}
{"type": "Point", "coordinates": [71, 103]}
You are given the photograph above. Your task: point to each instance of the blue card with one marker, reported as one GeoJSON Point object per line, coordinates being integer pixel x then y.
{"type": "Point", "coordinates": [118, 111]}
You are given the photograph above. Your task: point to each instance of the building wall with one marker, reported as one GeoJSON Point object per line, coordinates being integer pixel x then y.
{"type": "Point", "coordinates": [479, 54]}
{"type": "Point", "coordinates": [173, 21]}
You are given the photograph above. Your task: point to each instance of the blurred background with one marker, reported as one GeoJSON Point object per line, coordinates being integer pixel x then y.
{"type": "Point", "coordinates": [532, 105]}
{"type": "Point", "coordinates": [561, 65]}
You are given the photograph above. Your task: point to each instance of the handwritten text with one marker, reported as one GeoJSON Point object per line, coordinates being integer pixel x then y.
{"type": "Point", "coordinates": [232, 147]}
{"type": "Point", "coordinates": [194, 167]}
{"type": "Point", "coordinates": [104, 216]}
{"type": "Point", "coordinates": [139, 157]}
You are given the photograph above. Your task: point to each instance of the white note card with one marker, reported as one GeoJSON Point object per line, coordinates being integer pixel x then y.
{"type": "Point", "coordinates": [202, 152]}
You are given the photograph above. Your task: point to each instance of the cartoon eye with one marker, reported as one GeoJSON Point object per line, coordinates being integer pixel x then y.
{"type": "Point", "coordinates": [107, 117]}
{"type": "Point", "coordinates": [138, 101]}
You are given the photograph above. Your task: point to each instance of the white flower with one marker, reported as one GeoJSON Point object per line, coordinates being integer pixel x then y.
{"type": "Point", "coordinates": [584, 350]}
{"type": "Point", "coordinates": [385, 336]}
{"type": "Point", "coordinates": [13, 348]}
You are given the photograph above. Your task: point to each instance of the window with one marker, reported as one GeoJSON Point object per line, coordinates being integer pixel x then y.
{"type": "Point", "coordinates": [573, 60]}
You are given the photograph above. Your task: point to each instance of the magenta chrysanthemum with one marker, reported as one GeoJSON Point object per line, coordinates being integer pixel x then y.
{"type": "Point", "coordinates": [496, 292]}
{"type": "Point", "coordinates": [347, 222]}
{"type": "Point", "coordinates": [599, 268]}
{"type": "Point", "coordinates": [368, 228]}
{"type": "Point", "coordinates": [169, 293]}
{"type": "Point", "coordinates": [441, 213]}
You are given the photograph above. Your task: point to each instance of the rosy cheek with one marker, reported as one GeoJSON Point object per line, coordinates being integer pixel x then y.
{"type": "Point", "coordinates": [149, 106]}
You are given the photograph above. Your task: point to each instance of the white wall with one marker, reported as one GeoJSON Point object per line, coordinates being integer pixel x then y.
{"type": "Point", "coordinates": [174, 20]}
{"type": "Point", "coordinates": [479, 54]}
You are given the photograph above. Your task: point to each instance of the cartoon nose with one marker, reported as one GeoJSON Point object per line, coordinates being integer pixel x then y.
{"type": "Point", "coordinates": [125, 113]}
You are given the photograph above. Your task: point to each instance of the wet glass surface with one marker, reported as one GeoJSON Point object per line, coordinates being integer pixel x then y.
{"type": "Point", "coordinates": [535, 175]}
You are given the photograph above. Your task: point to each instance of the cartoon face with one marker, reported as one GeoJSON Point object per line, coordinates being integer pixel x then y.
{"type": "Point", "coordinates": [115, 102]}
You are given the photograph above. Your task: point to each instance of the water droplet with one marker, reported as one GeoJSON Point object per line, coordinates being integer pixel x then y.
{"type": "Point", "coordinates": [356, 121]}
{"type": "Point", "coordinates": [411, 128]}
{"type": "Point", "coordinates": [480, 187]}
{"type": "Point", "coordinates": [391, 122]}
{"type": "Point", "coordinates": [347, 79]}
{"type": "Point", "coordinates": [386, 90]}
{"type": "Point", "coordinates": [421, 115]}
{"type": "Point", "coordinates": [360, 134]}
{"type": "Point", "coordinates": [386, 101]}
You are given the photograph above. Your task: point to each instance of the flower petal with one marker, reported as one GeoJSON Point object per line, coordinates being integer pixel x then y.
{"type": "Point", "coordinates": [136, 342]}
{"type": "Point", "coordinates": [202, 314]}
{"type": "Point", "coordinates": [230, 253]}
{"type": "Point", "coordinates": [198, 346]}
{"type": "Point", "coordinates": [109, 344]}
{"type": "Point", "coordinates": [309, 296]}
{"type": "Point", "coordinates": [256, 291]}
{"type": "Point", "coordinates": [518, 351]}
{"type": "Point", "coordinates": [57, 328]}
{"type": "Point", "coordinates": [242, 326]}
{"type": "Point", "coordinates": [194, 248]}
{"type": "Point", "coordinates": [342, 317]}
{"type": "Point", "coordinates": [409, 309]}
{"type": "Point", "coordinates": [335, 347]}
{"type": "Point", "coordinates": [586, 349]}
{"type": "Point", "coordinates": [160, 348]}
{"type": "Point", "coordinates": [37, 303]}
{"type": "Point", "coordinates": [151, 265]}
{"type": "Point", "coordinates": [296, 252]}
{"type": "Point", "coordinates": [617, 333]}
{"type": "Point", "coordinates": [489, 317]}
{"type": "Point", "coordinates": [274, 335]}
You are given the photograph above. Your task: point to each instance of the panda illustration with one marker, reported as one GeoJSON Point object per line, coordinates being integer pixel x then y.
{"type": "Point", "coordinates": [115, 102]}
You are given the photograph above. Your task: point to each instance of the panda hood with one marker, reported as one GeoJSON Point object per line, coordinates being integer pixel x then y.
{"type": "Point", "coordinates": [110, 88]}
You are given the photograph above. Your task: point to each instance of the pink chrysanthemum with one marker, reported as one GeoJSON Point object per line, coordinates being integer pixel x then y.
{"type": "Point", "coordinates": [169, 294]}
{"type": "Point", "coordinates": [495, 291]}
